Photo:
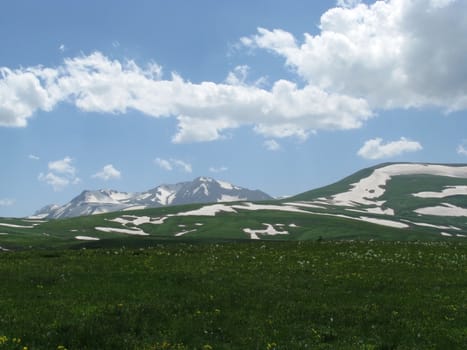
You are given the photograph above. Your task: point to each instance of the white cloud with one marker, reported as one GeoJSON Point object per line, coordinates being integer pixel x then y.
{"type": "Point", "coordinates": [170, 164]}
{"type": "Point", "coordinates": [63, 166]}
{"type": "Point", "coordinates": [462, 150]}
{"type": "Point", "coordinates": [394, 53]}
{"type": "Point", "coordinates": [272, 145]}
{"type": "Point", "coordinates": [186, 167]}
{"type": "Point", "coordinates": [203, 110]}
{"type": "Point", "coordinates": [348, 3]}
{"type": "Point", "coordinates": [218, 170]}
{"type": "Point", "coordinates": [108, 172]}
{"type": "Point", "coordinates": [33, 157]}
{"type": "Point", "coordinates": [5, 202]}
{"type": "Point", "coordinates": [62, 48]}
{"type": "Point", "coordinates": [390, 54]}
{"type": "Point", "coordinates": [377, 149]}
{"type": "Point", "coordinates": [61, 174]}
{"type": "Point", "coordinates": [164, 164]}
{"type": "Point", "coordinates": [56, 181]}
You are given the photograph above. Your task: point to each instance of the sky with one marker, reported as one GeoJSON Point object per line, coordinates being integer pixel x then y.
{"type": "Point", "coordinates": [266, 94]}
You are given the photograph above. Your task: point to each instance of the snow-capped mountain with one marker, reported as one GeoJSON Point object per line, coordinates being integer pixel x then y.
{"type": "Point", "coordinates": [200, 190]}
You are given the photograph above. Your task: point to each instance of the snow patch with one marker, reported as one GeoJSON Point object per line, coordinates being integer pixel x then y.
{"type": "Point", "coordinates": [226, 185]}
{"type": "Point", "coordinates": [179, 234]}
{"type": "Point", "coordinates": [384, 222]}
{"type": "Point", "coordinates": [433, 226]}
{"type": "Point", "coordinates": [137, 232]}
{"type": "Point", "coordinates": [374, 210]}
{"type": "Point", "coordinates": [87, 238]}
{"type": "Point", "coordinates": [252, 206]}
{"type": "Point", "coordinates": [3, 234]}
{"type": "Point", "coordinates": [228, 198]}
{"type": "Point", "coordinates": [368, 189]}
{"type": "Point", "coordinates": [446, 234]}
{"type": "Point", "coordinates": [446, 192]}
{"type": "Point", "coordinates": [202, 187]}
{"type": "Point", "coordinates": [209, 210]}
{"type": "Point", "coordinates": [4, 249]}
{"type": "Point", "coordinates": [164, 195]}
{"type": "Point", "coordinates": [17, 226]}
{"type": "Point", "coordinates": [445, 209]}
{"type": "Point", "coordinates": [305, 205]}
{"type": "Point", "coordinates": [268, 231]}
{"type": "Point", "coordinates": [138, 220]}
{"type": "Point", "coordinates": [135, 207]}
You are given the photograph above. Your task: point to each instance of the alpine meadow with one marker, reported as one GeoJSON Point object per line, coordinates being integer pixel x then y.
{"type": "Point", "coordinates": [213, 175]}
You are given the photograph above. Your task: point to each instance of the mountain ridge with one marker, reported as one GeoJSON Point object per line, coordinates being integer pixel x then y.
{"type": "Point", "coordinates": [200, 190]}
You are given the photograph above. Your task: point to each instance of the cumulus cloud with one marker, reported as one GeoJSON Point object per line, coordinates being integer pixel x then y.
{"type": "Point", "coordinates": [108, 172]}
{"type": "Point", "coordinates": [218, 170]}
{"type": "Point", "coordinates": [365, 57]}
{"type": "Point", "coordinates": [204, 110]}
{"type": "Point", "coordinates": [393, 54]}
{"type": "Point", "coordinates": [171, 164]}
{"type": "Point", "coordinates": [63, 166]}
{"type": "Point", "coordinates": [348, 3]}
{"type": "Point", "coordinates": [61, 174]}
{"type": "Point", "coordinates": [377, 149]}
{"type": "Point", "coordinates": [271, 145]}
{"type": "Point", "coordinates": [6, 202]}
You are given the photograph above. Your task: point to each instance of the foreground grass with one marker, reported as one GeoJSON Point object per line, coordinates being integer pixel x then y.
{"type": "Point", "coordinates": [265, 295]}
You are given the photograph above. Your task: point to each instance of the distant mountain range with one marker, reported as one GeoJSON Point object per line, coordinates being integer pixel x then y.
{"type": "Point", "coordinates": [200, 190]}
{"type": "Point", "coordinates": [391, 201]}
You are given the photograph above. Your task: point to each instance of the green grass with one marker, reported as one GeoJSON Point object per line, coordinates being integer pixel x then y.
{"type": "Point", "coordinates": [222, 227]}
{"type": "Point", "coordinates": [250, 295]}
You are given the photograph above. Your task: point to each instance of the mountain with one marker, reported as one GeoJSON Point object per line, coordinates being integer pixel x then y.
{"type": "Point", "coordinates": [200, 190]}
{"type": "Point", "coordinates": [413, 194]}
{"type": "Point", "coordinates": [391, 201]}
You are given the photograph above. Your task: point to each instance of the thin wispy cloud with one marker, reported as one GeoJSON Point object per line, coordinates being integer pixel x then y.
{"type": "Point", "coordinates": [6, 202]}
{"type": "Point", "coordinates": [171, 164]}
{"type": "Point", "coordinates": [272, 145]}
{"type": "Point", "coordinates": [462, 150]}
{"type": "Point", "coordinates": [218, 169]}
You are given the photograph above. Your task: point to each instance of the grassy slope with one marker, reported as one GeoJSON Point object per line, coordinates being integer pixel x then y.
{"type": "Point", "coordinates": [337, 187]}
{"type": "Point", "coordinates": [224, 226]}
{"type": "Point", "coordinates": [261, 295]}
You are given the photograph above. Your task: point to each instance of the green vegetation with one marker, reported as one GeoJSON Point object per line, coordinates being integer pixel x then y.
{"type": "Point", "coordinates": [305, 226]}
{"type": "Point", "coordinates": [249, 295]}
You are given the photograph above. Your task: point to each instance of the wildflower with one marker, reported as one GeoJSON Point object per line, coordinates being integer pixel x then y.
{"type": "Point", "coordinates": [3, 339]}
{"type": "Point", "coordinates": [271, 346]}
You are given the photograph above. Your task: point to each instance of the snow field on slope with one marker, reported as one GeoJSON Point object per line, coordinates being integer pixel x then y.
{"type": "Point", "coordinates": [86, 238]}
{"type": "Point", "coordinates": [445, 209]}
{"type": "Point", "coordinates": [446, 192]}
{"type": "Point", "coordinates": [368, 189]}
{"type": "Point", "coordinates": [268, 231]}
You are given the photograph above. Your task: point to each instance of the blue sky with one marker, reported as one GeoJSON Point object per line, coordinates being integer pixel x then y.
{"type": "Point", "coordinates": [272, 95]}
